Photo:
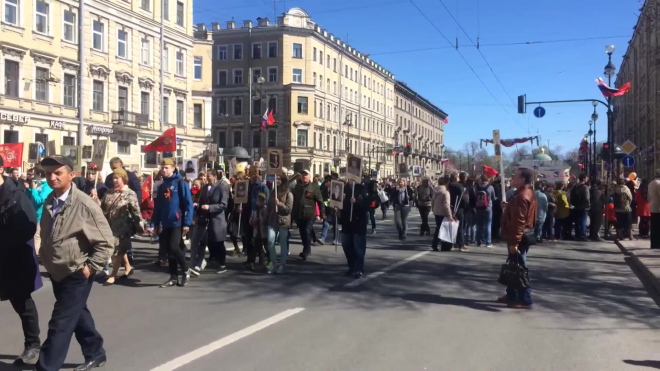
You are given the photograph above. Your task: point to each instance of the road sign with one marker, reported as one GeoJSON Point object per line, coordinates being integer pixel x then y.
{"type": "Point", "coordinates": [628, 147]}
{"type": "Point", "coordinates": [628, 161]}
{"type": "Point", "coordinates": [539, 111]}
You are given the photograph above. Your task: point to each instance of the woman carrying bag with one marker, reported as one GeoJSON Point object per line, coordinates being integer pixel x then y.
{"type": "Point", "coordinates": [441, 209]}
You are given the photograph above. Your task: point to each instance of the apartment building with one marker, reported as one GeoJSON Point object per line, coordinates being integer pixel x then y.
{"type": "Point", "coordinates": [120, 90]}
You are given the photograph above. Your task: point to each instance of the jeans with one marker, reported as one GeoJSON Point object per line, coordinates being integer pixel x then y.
{"type": "Point", "coordinates": [27, 311]}
{"type": "Point", "coordinates": [470, 226]}
{"type": "Point", "coordinates": [484, 221]}
{"type": "Point", "coordinates": [372, 216]}
{"type": "Point", "coordinates": [355, 247]}
{"type": "Point", "coordinates": [548, 232]}
{"type": "Point", "coordinates": [70, 316]}
{"type": "Point", "coordinates": [330, 221]}
{"type": "Point", "coordinates": [580, 219]}
{"type": "Point", "coordinates": [655, 230]}
{"type": "Point", "coordinates": [401, 219]}
{"type": "Point", "coordinates": [171, 238]}
{"type": "Point", "coordinates": [596, 218]}
{"type": "Point", "coordinates": [560, 233]}
{"type": "Point", "coordinates": [305, 228]}
{"type": "Point", "coordinates": [324, 230]}
{"type": "Point", "coordinates": [538, 228]}
{"type": "Point", "coordinates": [460, 240]}
{"type": "Point", "coordinates": [284, 244]}
{"type": "Point", "coordinates": [383, 208]}
{"type": "Point", "coordinates": [519, 295]}
{"type": "Point", "coordinates": [198, 245]}
{"type": "Point", "coordinates": [424, 214]}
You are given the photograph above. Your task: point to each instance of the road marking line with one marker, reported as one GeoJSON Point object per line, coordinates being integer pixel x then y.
{"type": "Point", "coordinates": [362, 280]}
{"type": "Point", "coordinates": [212, 347]}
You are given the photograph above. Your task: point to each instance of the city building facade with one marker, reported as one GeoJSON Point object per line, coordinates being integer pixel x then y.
{"type": "Point", "coordinates": [40, 94]}
{"type": "Point", "coordinates": [327, 98]}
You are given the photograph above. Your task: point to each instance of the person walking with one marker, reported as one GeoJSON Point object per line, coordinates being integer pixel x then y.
{"type": "Point", "coordinates": [622, 200]}
{"type": "Point", "coordinates": [562, 215]}
{"type": "Point", "coordinates": [76, 243]}
{"type": "Point", "coordinates": [19, 269]}
{"type": "Point", "coordinates": [307, 198]}
{"type": "Point", "coordinates": [374, 202]}
{"type": "Point", "coordinates": [519, 215]}
{"type": "Point", "coordinates": [424, 201]}
{"type": "Point", "coordinates": [497, 208]}
{"type": "Point", "coordinates": [484, 194]}
{"type": "Point", "coordinates": [470, 213]}
{"type": "Point", "coordinates": [643, 210]}
{"type": "Point", "coordinates": [37, 193]}
{"type": "Point", "coordinates": [255, 188]}
{"type": "Point", "coordinates": [541, 211]}
{"type": "Point", "coordinates": [597, 210]}
{"type": "Point", "coordinates": [279, 222]}
{"type": "Point", "coordinates": [580, 200]}
{"type": "Point", "coordinates": [654, 208]}
{"type": "Point", "coordinates": [459, 202]}
{"type": "Point", "coordinates": [173, 213]}
{"type": "Point", "coordinates": [548, 227]}
{"type": "Point", "coordinates": [211, 224]}
{"type": "Point", "coordinates": [401, 199]}
{"type": "Point", "coordinates": [441, 210]}
{"type": "Point", "coordinates": [355, 210]}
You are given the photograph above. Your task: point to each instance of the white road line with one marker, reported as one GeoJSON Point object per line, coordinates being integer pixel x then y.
{"type": "Point", "coordinates": [364, 279]}
{"type": "Point", "coordinates": [210, 348]}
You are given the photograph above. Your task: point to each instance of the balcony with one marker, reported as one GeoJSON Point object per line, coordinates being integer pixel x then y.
{"type": "Point", "coordinates": [127, 118]}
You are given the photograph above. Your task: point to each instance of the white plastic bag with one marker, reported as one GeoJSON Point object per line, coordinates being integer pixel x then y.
{"type": "Point", "coordinates": [383, 196]}
{"type": "Point", "coordinates": [448, 231]}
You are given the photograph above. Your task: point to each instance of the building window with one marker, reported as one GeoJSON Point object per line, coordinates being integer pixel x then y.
{"type": "Point", "coordinates": [238, 136]}
{"type": "Point", "coordinates": [144, 103]}
{"type": "Point", "coordinates": [238, 51]}
{"type": "Point", "coordinates": [321, 82]}
{"type": "Point", "coordinates": [297, 50]}
{"type": "Point", "coordinates": [144, 5]}
{"type": "Point", "coordinates": [297, 75]}
{"type": "Point", "coordinates": [222, 139]}
{"type": "Point", "coordinates": [314, 79]}
{"type": "Point", "coordinates": [256, 51]}
{"type": "Point", "coordinates": [11, 12]}
{"type": "Point", "coordinates": [179, 113]}
{"type": "Point", "coordinates": [97, 35]}
{"type": "Point", "coordinates": [222, 52]}
{"type": "Point", "coordinates": [69, 26]}
{"type": "Point", "coordinates": [256, 74]}
{"type": "Point", "coordinates": [69, 141]}
{"type": "Point", "coordinates": [238, 107]}
{"type": "Point", "coordinates": [238, 77]}
{"type": "Point", "coordinates": [122, 43]}
{"type": "Point", "coordinates": [123, 147]}
{"type": "Point", "coordinates": [321, 57]}
{"type": "Point", "coordinates": [41, 23]}
{"type": "Point", "coordinates": [222, 107]}
{"type": "Point", "coordinates": [302, 138]}
{"type": "Point", "coordinates": [179, 13]}
{"type": "Point", "coordinates": [180, 68]}
{"type": "Point", "coordinates": [272, 138]}
{"type": "Point", "coordinates": [222, 78]}
{"type": "Point", "coordinates": [144, 51]}
{"type": "Point", "coordinates": [256, 106]}
{"type": "Point", "coordinates": [123, 98]}
{"type": "Point", "coordinates": [41, 84]}
{"type": "Point", "coordinates": [97, 97]}
{"type": "Point", "coordinates": [11, 78]}
{"type": "Point", "coordinates": [272, 104]}
{"type": "Point", "coordinates": [69, 90]}
{"type": "Point", "coordinates": [166, 58]}
{"type": "Point", "coordinates": [334, 64]}
{"type": "Point", "coordinates": [166, 110]}
{"type": "Point", "coordinates": [166, 9]}
{"type": "Point", "coordinates": [314, 55]}
{"type": "Point", "coordinates": [256, 139]}
{"type": "Point", "coordinates": [302, 105]}
{"type": "Point", "coordinates": [272, 49]}
{"type": "Point", "coordinates": [272, 74]}
{"type": "Point", "coordinates": [198, 68]}
{"type": "Point", "coordinates": [198, 115]}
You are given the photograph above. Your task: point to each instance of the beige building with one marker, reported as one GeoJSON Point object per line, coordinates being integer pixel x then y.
{"type": "Point", "coordinates": [420, 123]}
{"type": "Point", "coordinates": [636, 114]}
{"type": "Point", "coordinates": [328, 99]}
{"type": "Point", "coordinates": [121, 78]}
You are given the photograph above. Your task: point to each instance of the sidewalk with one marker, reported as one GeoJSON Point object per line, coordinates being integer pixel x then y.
{"type": "Point", "coordinates": [646, 259]}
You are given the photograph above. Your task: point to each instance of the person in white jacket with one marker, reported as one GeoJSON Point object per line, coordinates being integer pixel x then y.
{"type": "Point", "coordinates": [441, 209]}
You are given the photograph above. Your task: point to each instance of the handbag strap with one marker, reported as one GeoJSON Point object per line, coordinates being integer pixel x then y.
{"type": "Point", "coordinates": [458, 201]}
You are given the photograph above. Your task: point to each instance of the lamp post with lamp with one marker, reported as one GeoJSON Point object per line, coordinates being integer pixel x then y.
{"type": "Point", "coordinates": [609, 71]}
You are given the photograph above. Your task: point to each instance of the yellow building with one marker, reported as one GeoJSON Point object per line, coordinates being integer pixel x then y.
{"type": "Point", "coordinates": [120, 90]}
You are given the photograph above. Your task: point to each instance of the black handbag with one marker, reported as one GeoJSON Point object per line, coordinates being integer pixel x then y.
{"type": "Point", "coordinates": [514, 274]}
{"type": "Point", "coordinates": [528, 239]}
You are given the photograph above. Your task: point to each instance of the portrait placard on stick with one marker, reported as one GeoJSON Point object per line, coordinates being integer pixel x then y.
{"type": "Point", "coordinates": [274, 157]}
{"type": "Point", "coordinates": [337, 194]}
{"type": "Point", "coordinates": [402, 169]}
{"type": "Point", "coordinates": [98, 153]}
{"type": "Point", "coordinates": [241, 192]}
{"type": "Point", "coordinates": [354, 168]}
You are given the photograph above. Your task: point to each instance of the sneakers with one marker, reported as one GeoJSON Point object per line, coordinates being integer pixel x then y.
{"type": "Point", "coordinates": [173, 281]}
{"type": "Point", "coordinates": [373, 231]}
{"type": "Point", "coordinates": [223, 269]}
{"type": "Point", "coordinates": [519, 306]}
{"type": "Point", "coordinates": [279, 269]}
{"type": "Point", "coordinates": [184, 280]}
{"type": "Point", "coordinates": [28, 357]}
{"type": "Point", "coordinates": [249, 266]}
{"type": "Point", "coordinates": [269, 267]}
{"type": "Point", "coordinates": [357, 275]}
{"type": "Point", "coordinates": [489, 246]}
{"type": "Point", "coordinates": [320, 242]}
{"type": "Point", "coordinates": [194, 271]}
{"type": "Point", "coordinates": [203, 264]}
{"type": "Point", "coordinates": [302, 256]}
{"type": "Point", "coordinates": [464, 249]}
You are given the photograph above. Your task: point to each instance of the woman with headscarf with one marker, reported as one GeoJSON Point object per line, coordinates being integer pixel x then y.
{"type": "Point", "coordinates": [121, 209]}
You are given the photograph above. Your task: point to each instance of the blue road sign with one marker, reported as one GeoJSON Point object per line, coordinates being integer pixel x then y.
{"type": "Point", "coordinates": [539, 111]}
{"type": "Point", "coordinates": [628, 161]}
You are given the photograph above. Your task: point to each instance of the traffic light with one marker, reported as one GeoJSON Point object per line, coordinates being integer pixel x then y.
{"type": "Point", "coordinates": [522, 107]}
{"type": "Point", "coordinates": [605, 152]}
{"type": "Point", "coordinates": [408, 150]}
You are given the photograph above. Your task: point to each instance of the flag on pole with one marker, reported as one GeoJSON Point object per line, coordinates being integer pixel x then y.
{"type": "Point", "coordinates": [271, 120]}
{"type": "Point", "coordinates": [489, 171]}
{"type": "Point", "coordinates": [612, 92]}
{"type": "Point", "coordinates": [146, 188]}
{"type": "Point", "coordinates": [264, 120]}
{"type": "Point", "coordinates": [444, 161]}
{"type": "Point", "coordinates": [165, 143]}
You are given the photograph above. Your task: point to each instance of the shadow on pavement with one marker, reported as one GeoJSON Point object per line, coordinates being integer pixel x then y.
{"type": "Point", "coordinates": [9, 366]}
{"type": "Point", "coordinates": [645, 363]}
{"type": "Point", "coordinates": [484, 305]}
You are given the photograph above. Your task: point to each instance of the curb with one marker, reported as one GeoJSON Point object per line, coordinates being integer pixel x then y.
{"type": "Point", "coordinates": [622, 248]}
{"type": "Point", "coordinates": [648, 275]}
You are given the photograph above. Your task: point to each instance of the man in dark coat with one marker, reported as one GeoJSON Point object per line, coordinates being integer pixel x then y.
{"type": "Point", "coordinates": [354, 229]}
{"type": "Point", "coordinates": [19, 269]}
{"type": "Point", "coordinates": [211, 223]}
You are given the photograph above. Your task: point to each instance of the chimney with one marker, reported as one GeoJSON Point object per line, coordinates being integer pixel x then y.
{"type": "Point", "coordinates": [247, 24]}
{"type": "Point", "coordinates": [231, 25]}
{"type": "Point", "coordinates": [263, 22]}
{"type": "Point", "coordinates": [215, 26]}
{"type": "Point", "coordinates": [201, 27]}
{"type": "Point", "coordinates": [280, 21]}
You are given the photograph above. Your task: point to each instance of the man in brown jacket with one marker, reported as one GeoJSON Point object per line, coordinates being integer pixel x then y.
{"type": "Point", "coordinates": [519, 214]}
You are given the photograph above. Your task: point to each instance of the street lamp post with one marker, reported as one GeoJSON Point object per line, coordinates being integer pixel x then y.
{"type": "Point", "coordinates": [260, 96]}
{"type": "Point", "coordinates": [610, 69]}
{"type": "Point", "coordinates": [592, 152]}
{"type": "Point", "coordinates": [594, 117]}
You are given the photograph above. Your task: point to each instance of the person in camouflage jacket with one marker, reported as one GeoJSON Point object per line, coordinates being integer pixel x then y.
{"type": "Point", "coordinates": [120, 206]}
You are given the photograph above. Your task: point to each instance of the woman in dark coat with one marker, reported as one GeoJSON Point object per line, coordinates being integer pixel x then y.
{"type": "Point", "coordinates": [19, 269]}
{"type": "Point", "coordinates": [211, 218]}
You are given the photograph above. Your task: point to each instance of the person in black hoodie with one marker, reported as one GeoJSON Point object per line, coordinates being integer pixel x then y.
{"type": "Point", "coordinates": [459, 202]}
{"type": "Point", "coordinates": [354, 227]}
{"type": "Point", "coordinates": [19, 270]}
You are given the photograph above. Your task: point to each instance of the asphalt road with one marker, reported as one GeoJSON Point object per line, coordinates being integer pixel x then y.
{"type": "Point", "coordinates": [414, 310]}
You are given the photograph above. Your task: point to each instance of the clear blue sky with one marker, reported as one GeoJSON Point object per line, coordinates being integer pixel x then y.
{"type": "Point", "coordinates": [547, 71]}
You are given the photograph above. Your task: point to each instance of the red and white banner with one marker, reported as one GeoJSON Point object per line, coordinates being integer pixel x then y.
{"type": "Point", "coordinates": [12, 154]}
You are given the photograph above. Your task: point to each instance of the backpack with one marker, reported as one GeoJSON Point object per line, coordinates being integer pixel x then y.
{"type": "Point", "coordinates": [424, 194]}
{"type": "Point", "coordinates": [618, 200]}
{"type": "Point", "coordinates": [482, 199]}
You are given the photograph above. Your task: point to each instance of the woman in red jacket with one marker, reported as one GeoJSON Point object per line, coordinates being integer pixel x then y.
{"type": "Point", "coordinates": [643, 212]}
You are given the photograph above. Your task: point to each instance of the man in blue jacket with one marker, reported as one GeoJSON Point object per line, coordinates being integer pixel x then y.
{"type": "Point", "coordinates": [173, 213]}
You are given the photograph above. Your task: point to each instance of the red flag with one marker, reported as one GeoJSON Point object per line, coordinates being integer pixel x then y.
{"type": "Point", "coordinates": [271, 120]}
{"type": "Point", "coordinates": [146, 189]}
{"type": "Point", "coordinates": [12, 154]}
{"type": "Point", "coordinates": [489, 171]}
{"type": "Point", "coordinates": [164, 143]}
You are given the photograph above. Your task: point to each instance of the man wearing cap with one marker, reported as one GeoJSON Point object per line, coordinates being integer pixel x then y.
{"type": "Point", "coordinates": [76, 242]}
{"type": "Point", "coordinates": [306, 198]}
{"type": "Point", "coordinates": [173, 212]}
{"type": "Point", "coordinates": [654, 207]}
{"type": "Point", "coordinates": [19, 270]}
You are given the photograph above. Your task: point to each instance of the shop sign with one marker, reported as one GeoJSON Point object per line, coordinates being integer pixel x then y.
{"type": "Point", "coordinates": [99, 130]}
{"type": "Point", "coordinates": [59, 125]}
{"type": "Point", "coordinates": [14, 119]}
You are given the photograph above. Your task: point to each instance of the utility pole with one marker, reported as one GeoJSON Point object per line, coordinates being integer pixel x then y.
{"type": "Point", "coordinates": [81, 74]}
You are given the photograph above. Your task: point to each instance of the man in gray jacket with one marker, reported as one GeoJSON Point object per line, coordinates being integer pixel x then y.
{"type": "Point", "coordinates": [76, 242]}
